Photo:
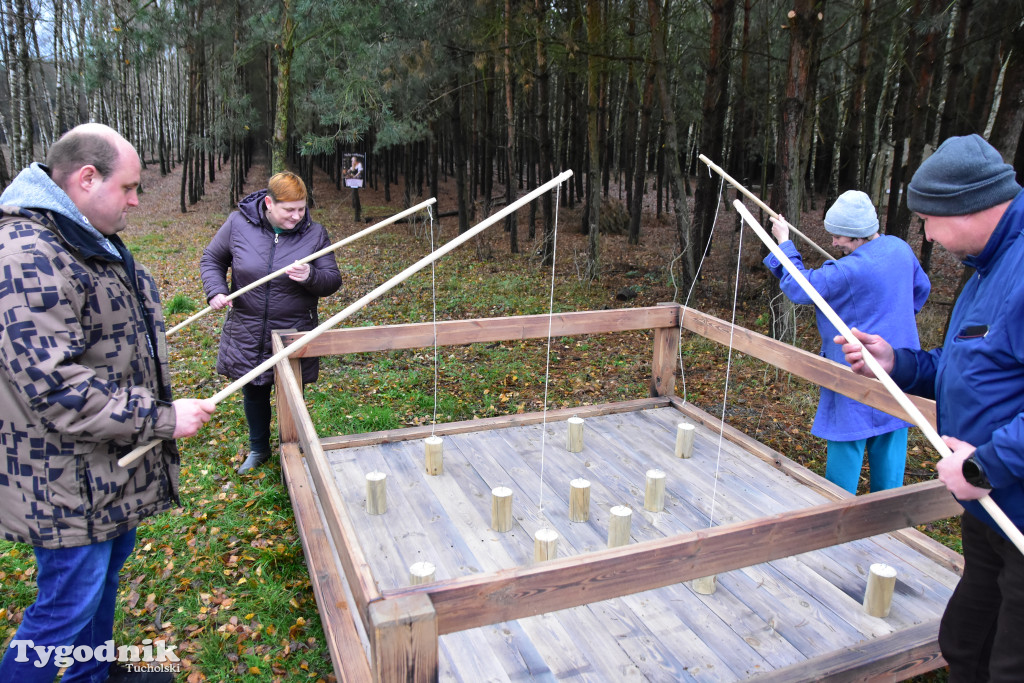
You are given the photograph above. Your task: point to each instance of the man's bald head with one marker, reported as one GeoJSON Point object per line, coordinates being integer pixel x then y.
{"type": "Point", "coordinates": [90, 144]}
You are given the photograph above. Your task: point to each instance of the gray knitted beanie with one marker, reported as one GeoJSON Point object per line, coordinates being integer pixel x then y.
{"type": "Point", "coordinates": [853, 215]}
{"type": "Point", "coordinates": [965, 175]}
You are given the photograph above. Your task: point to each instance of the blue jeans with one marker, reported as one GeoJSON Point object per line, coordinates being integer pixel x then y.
{"type": "Point", "coordinates": [77, 590]}
{"type": "Point", "coordinates": [887, 457]}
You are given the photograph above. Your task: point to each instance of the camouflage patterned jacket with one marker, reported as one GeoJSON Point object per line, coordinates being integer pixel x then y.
{"type": "Point", "coordinates": [80, 385]}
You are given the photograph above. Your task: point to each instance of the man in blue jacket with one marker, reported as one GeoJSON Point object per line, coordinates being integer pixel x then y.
{"type": "Point", "coordinates": [878, 284]}
{"type": "Point", "coordinates": [971, 204]}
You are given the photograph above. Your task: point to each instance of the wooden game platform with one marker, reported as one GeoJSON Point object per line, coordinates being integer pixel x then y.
{"type": "Point", "coordinates": [789, 550]}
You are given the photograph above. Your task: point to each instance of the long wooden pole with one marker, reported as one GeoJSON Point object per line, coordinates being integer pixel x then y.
{"type": "Point", "coordinates": [312, 257]}
{"type": "Point", "coordinates": [1008, 527]}
{"type": "Point", "coordinates": [754, 198]}
{"type": "Point", "coordinates": [367, 298]}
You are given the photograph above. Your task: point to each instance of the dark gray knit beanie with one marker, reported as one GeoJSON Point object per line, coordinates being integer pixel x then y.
{"type": "Point", "coordinates": [965, 175]}
{"type": "Point", "coordinates": [853, 215]}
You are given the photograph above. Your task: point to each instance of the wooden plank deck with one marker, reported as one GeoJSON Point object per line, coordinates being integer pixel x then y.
{"type": "Point", "coordinates": [774, 619]}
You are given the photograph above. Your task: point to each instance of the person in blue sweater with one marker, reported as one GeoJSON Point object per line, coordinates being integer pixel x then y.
{"type": "Point", "coordinates": [877, 284]}
{"type": "Point", "coordinates": [971, 204]}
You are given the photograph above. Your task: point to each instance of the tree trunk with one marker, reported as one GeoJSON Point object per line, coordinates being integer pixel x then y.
{"type": "Point", "coordinates": [510, 133]}
{"type": "Point", "coordinates": [594, 69]}
{"type": "Point", "coordinates": [544, 142]}
{"type": "Point", "coordinates": [687, 248]}
{"type": "Point", "coordinates": [713, 116]}
{"type": "Point", "coordinates": [285, 54]}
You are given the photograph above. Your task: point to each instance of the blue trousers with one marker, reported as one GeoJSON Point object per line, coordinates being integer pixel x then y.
{"type": "Point", "coordinates": [887, 458]}
{"type": "Point", "coordinates": [74, 606]}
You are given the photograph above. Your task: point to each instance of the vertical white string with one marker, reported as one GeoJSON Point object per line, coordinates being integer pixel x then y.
{"type": "Point", "coordinates": [433, 301]}
{"type": "Point", "coordinates": [728, 372]}
{"type": "Point", "coordinates": [547, 362]}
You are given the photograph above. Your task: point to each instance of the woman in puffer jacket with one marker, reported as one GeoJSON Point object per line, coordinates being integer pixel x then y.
{"type": "Point", "coordinates": [270, 230]}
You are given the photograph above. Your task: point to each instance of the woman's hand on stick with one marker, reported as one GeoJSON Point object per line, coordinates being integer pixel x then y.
{"type": "Point", "coordinates": [219, 301]}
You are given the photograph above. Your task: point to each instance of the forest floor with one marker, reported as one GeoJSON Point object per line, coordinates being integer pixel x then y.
{"type": "Point", "coordinates": [223, 577]}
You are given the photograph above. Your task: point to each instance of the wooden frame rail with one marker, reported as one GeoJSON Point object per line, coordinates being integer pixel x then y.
{"type": "Point", "coordinates": [403, 625]}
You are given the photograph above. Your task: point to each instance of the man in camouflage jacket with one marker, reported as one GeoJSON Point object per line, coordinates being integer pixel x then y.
{"type": "Point", "coordinates": [83, 380]}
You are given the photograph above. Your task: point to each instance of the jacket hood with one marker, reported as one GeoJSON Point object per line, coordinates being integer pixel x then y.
{"type": "Point", "coordinates": [34, 189]}
{"type": "Point", "coordinates": [1005, 234]}
{"type": "Point", "coordinates": [252, 209]}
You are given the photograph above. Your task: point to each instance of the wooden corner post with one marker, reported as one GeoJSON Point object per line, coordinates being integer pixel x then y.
{"type": "Point", "coordinates": [666, 357]}
{"type": "Point", "coordinates": [287, 429]}
{"type": "Point", "coordinates": [403, 639]}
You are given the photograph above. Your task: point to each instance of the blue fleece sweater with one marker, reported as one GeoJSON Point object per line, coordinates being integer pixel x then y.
{"type": "Point", "coordinates": [977, 377]}
{"type": "Point", "coordinates": [879, 287]}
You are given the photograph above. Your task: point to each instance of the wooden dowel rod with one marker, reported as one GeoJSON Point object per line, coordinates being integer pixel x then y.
{"type": "Point", "coordinates": [545, 545]}
{"type": "Point", "coordinates": [878, 594]}
{"type": "Point", "coordinates": [754, 198]}
{"type": "Point", "coordinates": [501, 509]}
{"type": "Point", "coordinates": [619, 526]}
{"type": "Point", "coordinates": [705, 585]}
{"type": "Point", "coordinates": [579, 500]}
{"type": "Point", "coordinates": [376, 493]}
{"type": "Point", "coordinates": [312, 257]}
{"type": "Point", "coordinates": [684, 439]}
{"type": "Point", "coordinates": [434, 457]}
{"type": "Point", "coordinates": [1008, 527]}
{"type": "Point", "coordinates": [421, 572]}
{"type": "Point", "coordinates": [654, 491]}
{"type": "Point", "coordinates": [574, 435]}
{"type": "Point", "coordinates": [307, 338]}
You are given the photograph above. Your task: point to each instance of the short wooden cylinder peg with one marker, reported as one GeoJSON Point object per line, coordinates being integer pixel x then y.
{"type": "Point", "coordinates": [421, 572]}
{"type": "Point", "coordinates": [501, 508]}
{"type": "Point", "coordinates": [654, 492]}
{"type": "Point", "coordinates": [684, 439]}
{"type": "Point", "coordinates": [434, 458]}
{"type": "Point", "coordinates": [878, 595]}
{"type": "Point", "coordinates": [619, 526]}
{"type": "Point", "coordinates": [705, 585]}
{"type": "Point", "coordinates": [574, 437]}
{"type": "Point", "coordinates": [579, 500]}
{"type": "Point", "coordinates": [376, 493]}
{"type": "Point", "coordinates": [545, 545]}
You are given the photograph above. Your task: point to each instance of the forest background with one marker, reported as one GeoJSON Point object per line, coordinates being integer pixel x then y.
{"type": "Point", "coordinates": [476, 103]}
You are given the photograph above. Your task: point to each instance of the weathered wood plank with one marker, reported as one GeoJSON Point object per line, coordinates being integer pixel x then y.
{"type": "Point", "coordinates": [487, 423]}
{"type": "Point", "coordinates": [357, 570]}
{"type": "Point", "coordinates": [823, 372]}
{"type": "Point", "coordinates": [450, 332]}
{"type": "Point", "coordinates": [896, 657]}
{"type": "Point", "coordinates": [343, 639]}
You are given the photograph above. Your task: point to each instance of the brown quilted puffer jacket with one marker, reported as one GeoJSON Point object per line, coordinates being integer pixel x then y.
{"type": "Point", "coordinates": [83, 380]}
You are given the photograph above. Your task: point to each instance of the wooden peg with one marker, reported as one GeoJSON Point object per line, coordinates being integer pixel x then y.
{"type": "Point", "coordinates": [545, 545]}
{"type": "Point", "coordinates": [420, 573]}
{"type": "Point", "coordinates": [579, 500]}
{"type": "Point", "coordinates": [434, 458]}
{"type": "Point", "coordinates": [574, 437]}
{"type": "Point", "coordinates": [705, 585]}
{"type": "Point", "coordinates": [618, 526]}
{"type": "Point", "coordinates": [684, 439]}
{"type": "Point", "coordinates": [654, 492]}
{"type": "Point", "coordinates": [376, 493]}
{"type": "Point", "coordinates": [878, 595]}
{"type": "Point", "coordinates": [501, 508]}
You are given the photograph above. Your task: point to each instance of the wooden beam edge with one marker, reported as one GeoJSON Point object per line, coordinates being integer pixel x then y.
{"type": "Point", "coordinates": [348, 655]}
{"type": "Point", "coordinates": [489, 423]}
{"type": "Point", "coordinates": [468, 602]}
{"type": "Point", "coordinates": [899, 656]}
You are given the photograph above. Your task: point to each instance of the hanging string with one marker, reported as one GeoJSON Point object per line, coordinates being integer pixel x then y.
{"type": "Point", "coordinates": [728, 372]}
{"type": "Point", "coordinates": [682, 315]}
{"type": "Point", "coordinates": [433, 300]}
{"type": "Point", "coordinates": [547, 362]}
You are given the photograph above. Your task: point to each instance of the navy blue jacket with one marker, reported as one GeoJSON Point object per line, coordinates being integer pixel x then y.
{"type": "Point", "coordinates": [977, 377]}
